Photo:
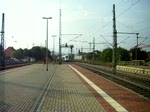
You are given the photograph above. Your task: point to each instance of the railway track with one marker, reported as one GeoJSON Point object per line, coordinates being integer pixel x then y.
{"type": "Point", "coordinates": [137, 83]}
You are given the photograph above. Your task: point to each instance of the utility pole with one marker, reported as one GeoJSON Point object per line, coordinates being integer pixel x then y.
{"type": "Point", "coordinates": [60, 60]}
{"type": "Point", "coordinates": [93, 48]}
{"type": "Point", "coordinates": [136, 48]}
{"type": "Point", "coordinates": [114, 57]}
{"type": "Point", "coordinates": [82, 52]}
{"type": "Point", "coordinates": [2, 55]}
{"type": "Point", "coordinates": [90, 46]}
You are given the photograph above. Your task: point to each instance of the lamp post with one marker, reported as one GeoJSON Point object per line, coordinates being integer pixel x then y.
{"type": "Point", "coordinates": [54, 47]}
{"type": "Point", "coordinates": [47, 42]}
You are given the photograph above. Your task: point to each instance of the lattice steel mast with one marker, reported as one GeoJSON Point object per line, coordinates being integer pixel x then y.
{"type": "Point", "coordinates": [114, 57]}
{"type": "Point", "coordinates": [2, 55]}
{"type": "Point", "coordinates": [60, 60]}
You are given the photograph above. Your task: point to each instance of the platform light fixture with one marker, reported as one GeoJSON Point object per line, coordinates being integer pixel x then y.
{"type": "Point", "coordinates": [47, 18]}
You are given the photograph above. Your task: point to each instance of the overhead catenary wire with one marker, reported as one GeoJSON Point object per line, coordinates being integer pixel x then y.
{"type": "Point", "coordinates": [118, 15]}
{"type": "Point", "coordinates": [95, 32]}
{"type": "Point", "coordinates": [73, 38]}
{"type": "Point", "coordinates": [123, 40]}
{"type": "Point", "coordinates": [106, 40]}
{"type": "Point", "coordinates": [104, 26]}
{"type": "Point", "coordinates": [133, 4]}
{"type": "Point", "coordinates": [140, 43]}
{"type": "Point", "coordinates": [133, 25]}
{"type": "Point", "coordinates": [139, 22]}
{"type": "Point", "coordinates": [143, 29]}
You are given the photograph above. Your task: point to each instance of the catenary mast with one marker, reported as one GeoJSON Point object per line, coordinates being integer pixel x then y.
{"type": "Point", "coordinates": [2, 55]}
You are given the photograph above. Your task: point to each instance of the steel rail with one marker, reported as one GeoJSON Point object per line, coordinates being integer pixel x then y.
{"type": "Point", "coordinates": [134, 86]}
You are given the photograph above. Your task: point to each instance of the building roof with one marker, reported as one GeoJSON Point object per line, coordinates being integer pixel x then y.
{"type": "Point", "coordinates": [9, 51]}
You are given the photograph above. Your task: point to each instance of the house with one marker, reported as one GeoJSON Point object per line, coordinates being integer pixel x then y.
{"type": "Point", "coordinates": [9, 51]}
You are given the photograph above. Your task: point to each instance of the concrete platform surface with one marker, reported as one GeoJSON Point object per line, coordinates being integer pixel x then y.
{"type": "Point", "coordinates": [32, 89]}
{"type": "Point", "coordinates": [67, 93]}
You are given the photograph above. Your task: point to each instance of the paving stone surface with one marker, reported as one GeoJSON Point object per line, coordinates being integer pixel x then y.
{"type": "Point", "coordinates": [22, 88]}
{"type": "Point", "coordinates": [67, 93]}
{"type": "Point", "coordinates": [131, 101]}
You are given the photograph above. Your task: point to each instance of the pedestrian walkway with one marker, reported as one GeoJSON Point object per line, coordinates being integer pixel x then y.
{"type": "Point", "coordinates": [67, 93]}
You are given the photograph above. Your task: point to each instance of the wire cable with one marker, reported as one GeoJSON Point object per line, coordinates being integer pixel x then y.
{"type": "Point", "coordinates": [106, 40]}
{"type": "Point", "coordinates": [133, 4]}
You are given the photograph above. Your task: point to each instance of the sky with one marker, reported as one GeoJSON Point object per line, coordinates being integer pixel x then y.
{"type": "Point", "coordinates": [25, 26]}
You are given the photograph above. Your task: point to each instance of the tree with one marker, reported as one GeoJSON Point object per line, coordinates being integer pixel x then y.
{"type": "Point", "coordinates": [97, 55]}
{"type": "Point", "coordinates": [18, 54]}
{"type": "Point", "coordinates": [39, 52]}
{"type": "Point", "coordinates": [141, 55]}
{"type": "Point", "coordinates": [89, 56]}
{"type": "Point", "coordinates": [36, 52]}
{"type": "Point", "coordinates": [123, 54]}
{"type": "Point", "coordinates": [26, 52]}
{"type": "Point", "coordinates": [106, 55]}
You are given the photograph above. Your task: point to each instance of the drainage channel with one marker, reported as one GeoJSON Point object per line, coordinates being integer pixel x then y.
{"type": "Point", "coordinates": [40, 100]}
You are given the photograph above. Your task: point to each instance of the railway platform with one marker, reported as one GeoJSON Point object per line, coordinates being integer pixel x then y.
{"type": "Point", "coordinates": [33, 89]}
{"type": "Point", "coordinates": [64, 88]}
{"type": "Point", "coordinates": [67, 93]}
{"type": "Point", "coordinates": [127, 99]}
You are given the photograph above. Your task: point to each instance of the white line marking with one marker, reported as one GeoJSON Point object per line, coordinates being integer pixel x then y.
{"type": "Point", "coordinates": [110, 100]}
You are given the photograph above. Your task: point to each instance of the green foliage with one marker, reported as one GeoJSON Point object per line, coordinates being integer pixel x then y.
{"type": "Point", "coordinates": [25, 52]}
{"type": "Point", "coordinates": [141, 55]}
{"type": "Point", "coordinates": [36, 52]}
{"type": "Point", "coordinates": [18, 54]}
{"type": "Point", "coordinates": [89, 56]}
{"type": "Point", "coordinates": [106, 55]}
{"type": "Point", "coordinates": [97, 55]}
{"type": "Point", "coordinates": [123, 54]}
{"type": "Point", "coordinates": [39, 52]}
